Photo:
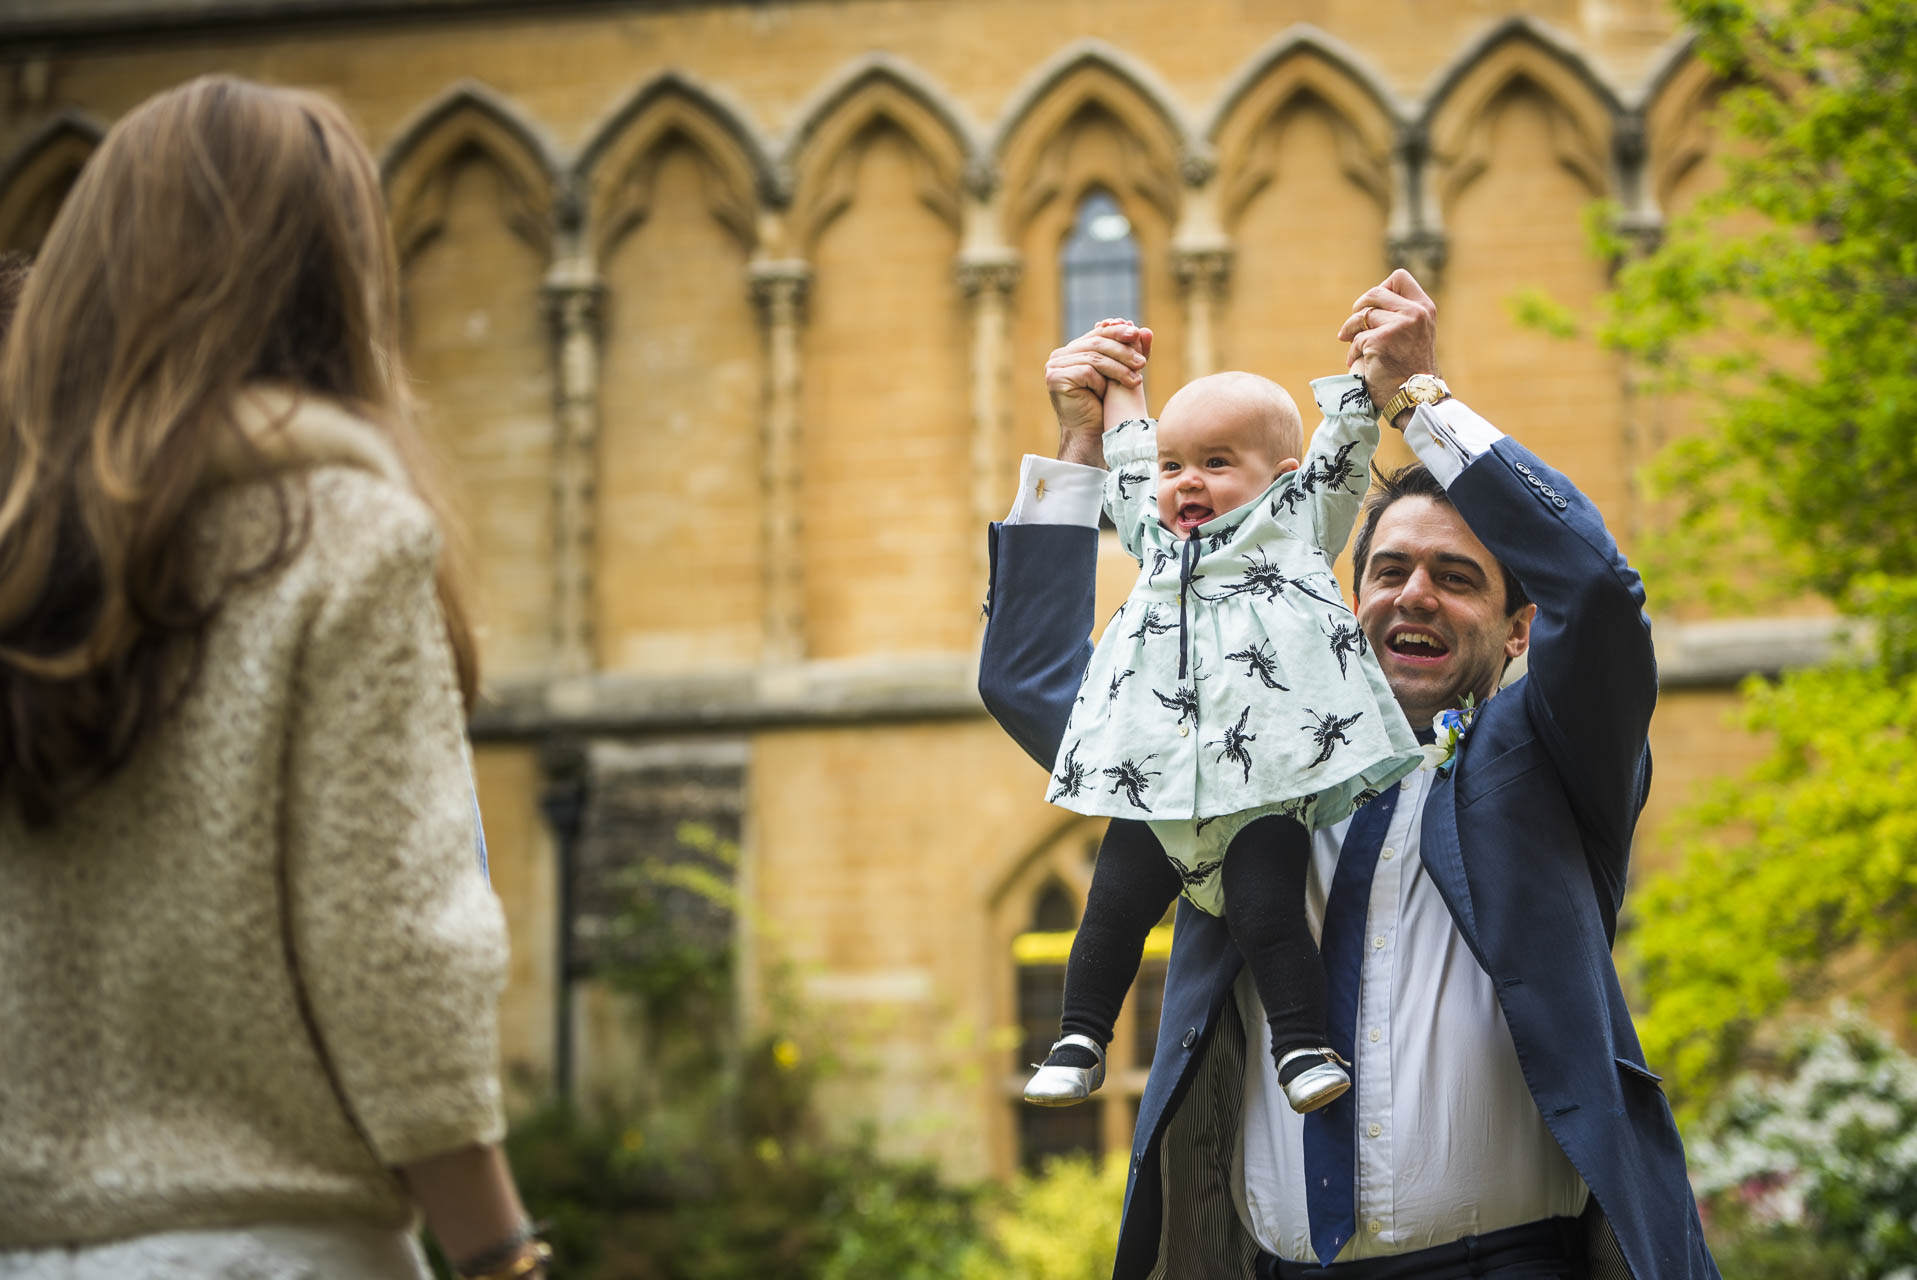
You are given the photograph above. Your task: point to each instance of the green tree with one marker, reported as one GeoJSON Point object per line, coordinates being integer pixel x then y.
{"type": "Point", "coordinates": [1783, 305]}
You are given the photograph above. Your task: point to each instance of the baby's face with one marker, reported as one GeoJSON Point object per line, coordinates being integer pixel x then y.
{"type": "Point", "coordinates": [1213, 457]}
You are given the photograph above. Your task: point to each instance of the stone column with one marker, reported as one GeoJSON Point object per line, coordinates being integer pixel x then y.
{"type": "Point", "coordinates": [1202, 273]}
{"type": "Point", "coordinates": [987, 282]}
{"type": "Point", "coordinates": [779, 289]}
{"type": "Point", "coordinates": [573, 297]}
{"type": "Point", "coordinates": [1415, 240]}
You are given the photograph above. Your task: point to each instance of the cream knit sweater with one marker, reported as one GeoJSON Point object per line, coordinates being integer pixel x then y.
{"type": "Point", "coordinates": [260, 966]}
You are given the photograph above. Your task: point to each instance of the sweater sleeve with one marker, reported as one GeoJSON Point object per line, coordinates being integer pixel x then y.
{"type": "Point", "coordinates": [1337, 469]}
{"type": "Point", "coordinates": [1131, 480]}
{"type": "Point", "coordinates": [399, 941]}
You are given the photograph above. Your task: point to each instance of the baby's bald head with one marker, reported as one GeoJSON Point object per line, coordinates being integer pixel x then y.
{"type": "Point", "coordinates": [1256, 411]}
{"type": "Point", "coordinates": [1222, 440]}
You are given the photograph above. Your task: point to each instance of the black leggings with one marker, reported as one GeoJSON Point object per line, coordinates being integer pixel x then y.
{"type": "Point", "coordinates": [1134, 882]}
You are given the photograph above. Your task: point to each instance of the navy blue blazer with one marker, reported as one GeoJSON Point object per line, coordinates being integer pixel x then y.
{"type": "Point", "coordinates": [1527, 839]}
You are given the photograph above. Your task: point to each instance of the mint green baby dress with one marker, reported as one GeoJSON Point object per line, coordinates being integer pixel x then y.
{"type": "Point", "coordinates": [1235, 682]}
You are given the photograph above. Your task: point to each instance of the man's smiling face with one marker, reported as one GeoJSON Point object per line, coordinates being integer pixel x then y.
{"type": "Point", "coordinates": [1431, 601]}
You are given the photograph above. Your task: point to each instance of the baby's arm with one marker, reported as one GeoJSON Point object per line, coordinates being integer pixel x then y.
{"type": "Point", "coordinates": [1131, 454]}
{"type": "Point", "coordinates": [1123, 402]}
{"type": "Point", "coordinates": [1337, 468]}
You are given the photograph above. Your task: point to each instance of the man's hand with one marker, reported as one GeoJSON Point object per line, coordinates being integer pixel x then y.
{"type": "Point", "coordinates": [1393, 332]}
{"type": "Point", "coordinates": [1076, 376]}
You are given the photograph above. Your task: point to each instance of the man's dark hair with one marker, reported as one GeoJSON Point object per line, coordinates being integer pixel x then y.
{"type": "Point", "coordinates": [13, 281]}
{"type": "Point", "coordinates": [1413, 480]}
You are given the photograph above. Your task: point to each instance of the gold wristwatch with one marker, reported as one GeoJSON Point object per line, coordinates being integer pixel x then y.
{"type": "Point", "coordinates": [1419, 388]}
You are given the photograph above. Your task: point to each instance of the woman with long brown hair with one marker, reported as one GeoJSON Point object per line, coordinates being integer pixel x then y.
{"type": "Point", "coordinates": [248, 968]}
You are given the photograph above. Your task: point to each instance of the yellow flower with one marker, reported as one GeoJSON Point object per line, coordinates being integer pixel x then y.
{"type": "Point", "coordinates": [768, 1151]}
{"type": "Point", "coordinates": [632, 1140]}
{"type": "Point", "coordinates": [786, 1054]}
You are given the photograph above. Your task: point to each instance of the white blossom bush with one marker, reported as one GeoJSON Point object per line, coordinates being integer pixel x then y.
{"type": "Point", "coordinates": [1823, 1148]}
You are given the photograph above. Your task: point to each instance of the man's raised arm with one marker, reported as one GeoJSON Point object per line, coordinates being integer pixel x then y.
{"type": "Point", "coordinates": [1044, 554]}
{"type": "Point", "coordinates": [1593, 677]}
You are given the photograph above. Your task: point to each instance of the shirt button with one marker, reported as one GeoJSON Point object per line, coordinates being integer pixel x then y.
{"type": "Point", "coordinates": [1374, 1226]}
{"type": "Point", "coordinates": [1405, 784]}
{"type": "Point", "coordinates": [1377, 943]}
{"type": "Point", "coordinates": [1184, 731]}
{"type": "Point", "coordinates": [1387, 853]}
{"type": "Point", "coordinates": [1374, 1131]}
{"type": "Point", "coordinates": [1377, 1034]}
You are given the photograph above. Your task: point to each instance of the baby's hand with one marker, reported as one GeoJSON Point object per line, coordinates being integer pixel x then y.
{"type": "Point", "coordinates": [1125, 398]}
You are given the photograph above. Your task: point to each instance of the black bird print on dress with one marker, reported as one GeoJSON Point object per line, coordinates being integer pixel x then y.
{"type": "Point", "coordinates": [1234, 743]}
{"type": "Point", "coordinates": [1346, 640]}
{"type": "Point", "coordinates": [1132, 777]}
{"type": "Point", "coordinates": [1363, 798]}
{"type": "Point", "coordinates": [1203, 823]}
{"type": "Point", "coordinates": [1288, 498]}
{"type": "Point", "coordinates": [1216, 542]}
{"type": "Point", "coordinates": [1355, 399]}
{"type": "Point", "coordinates": [1193, 876]}
{"type": "Point", "coordinates": [1184, 701]}
{"type": "Point", "coordinates": [1328, 732]}
{"type": "Point", "coordinates": [1338, 471]}
{"type": "Point", "coordinates": [1262, 577]}
{"type": "Point", "coordinates": [1126, 479]}
{"type": "Point", "coordinates": [1150, 625]}
{"type": "Point", "coordinates": [1111, 694]}
{"type": "Point", "coordinates": [1070, 778]}
{"type": "Point", "coordinates": [1160, 558]}
{"type": "Point", "coordinates": [1261, 662]}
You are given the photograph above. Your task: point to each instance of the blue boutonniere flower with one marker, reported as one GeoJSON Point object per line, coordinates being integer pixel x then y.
{"type": "Point", "coordinates": [1449, 726]}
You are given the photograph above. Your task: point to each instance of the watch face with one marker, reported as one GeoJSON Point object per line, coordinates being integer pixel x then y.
{"type": "Point", "coordinates": [1424, 388]}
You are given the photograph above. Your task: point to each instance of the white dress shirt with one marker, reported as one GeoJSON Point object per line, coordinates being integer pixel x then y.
{"type": "Point", "coordinates": [1450, 1143]}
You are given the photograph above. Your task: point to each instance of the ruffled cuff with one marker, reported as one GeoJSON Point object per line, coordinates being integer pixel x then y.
{"type": "Point", "coordinates": [1343, 396]}
{"type": "Point", "coordinates": [1133, 440]}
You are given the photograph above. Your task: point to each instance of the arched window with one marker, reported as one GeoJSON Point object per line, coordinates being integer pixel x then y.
{"type": "Point", "coordinates": [1098, 267]}
{"type": "Point", "coordinates": [1103, 1125]}
{"type": "Point", "coordinates": [1044, 1132]}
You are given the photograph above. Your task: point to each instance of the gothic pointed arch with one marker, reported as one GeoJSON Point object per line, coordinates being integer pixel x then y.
{"type": "Point", "coordinates": [36, 178]}
{"type": "Point", "coordinates": [1303, 65]}
{"type": "Point", "coordinates": [616, 172]}
{"type": "Point", "coordinates": [1084, 81]}
{"type": "Point", "coordinates": [470, 122]}
{"type": "Point", "coordinates": [1517, 56]}
{"type": "Point", "coordinates": [1680, 134]}
{"type": "Point", "coordinates": [877, 94]}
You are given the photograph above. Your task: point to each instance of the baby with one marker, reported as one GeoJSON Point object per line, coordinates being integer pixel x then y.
{"type": "Point", "coordinates": [1231, 706]}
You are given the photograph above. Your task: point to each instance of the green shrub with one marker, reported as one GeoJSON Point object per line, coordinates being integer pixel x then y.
{"type": "Point", "coordinates": [1061, 1224]}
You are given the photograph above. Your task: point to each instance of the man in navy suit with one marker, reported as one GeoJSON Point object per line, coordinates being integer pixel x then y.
{"type": "Point", "coordinates": [1503, 1121]}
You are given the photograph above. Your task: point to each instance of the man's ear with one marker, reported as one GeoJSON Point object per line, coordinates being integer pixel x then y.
{"type": "Point", "coordinates": [1518, 639]}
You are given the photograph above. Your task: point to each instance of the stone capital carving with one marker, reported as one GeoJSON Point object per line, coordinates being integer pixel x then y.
{"type": "Point", "coordinates": [1644, 231]}
{"type": "Point", "coordinates": [779, 288]}
{"type": "Point", "coordinates": [1414, 143]}
{"type": "Point", "coordinates": [1197, 167]}
{"type": "Point", "coordinates": [1206, 268]}
{"type": "Point", "coordinates": [575, 303]}
{"type": "Point", "coordinates": [994, 275]}
{"type": "Point", "coordinates": [1628, 142]}
{"type": "Point", "coordinates": [981, 179]}
{"type": "Point", "coordinates": [1421, 251]}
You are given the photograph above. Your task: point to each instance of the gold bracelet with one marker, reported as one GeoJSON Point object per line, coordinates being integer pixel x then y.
{"type": "Point", "coordinates": [532, 1257]}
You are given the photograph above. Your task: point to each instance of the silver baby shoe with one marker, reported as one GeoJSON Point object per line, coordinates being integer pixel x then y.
{"type": "Point", "coordinates": [1066, 1086]}
{"type": "Point", "coordinates": [1315, 1086]}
